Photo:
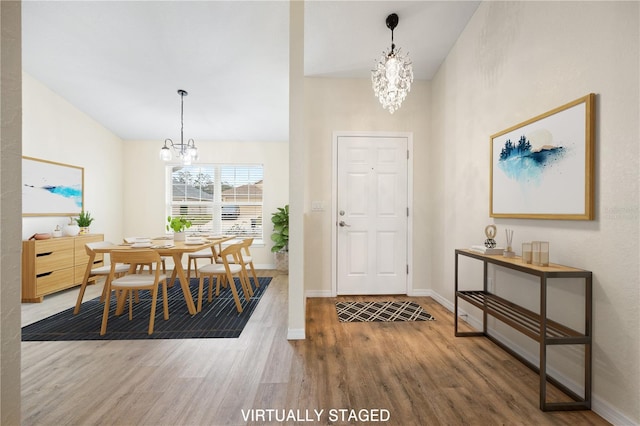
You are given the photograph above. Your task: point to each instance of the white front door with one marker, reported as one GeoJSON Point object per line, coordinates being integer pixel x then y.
{"type": "Point", "coordinates": [372, 210]}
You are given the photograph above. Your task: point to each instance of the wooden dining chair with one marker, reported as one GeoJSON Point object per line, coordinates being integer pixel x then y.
{"type": "Point", "coordinates": [224, 272]}
{"type": "Point", "coordinates": [91, 272]}
{"type": "Point", "coordinates": [131, 282]}
{"type": "Point", "coordinates": [246, 261]}
{"type": "Point", "coordinates": [209, 253]}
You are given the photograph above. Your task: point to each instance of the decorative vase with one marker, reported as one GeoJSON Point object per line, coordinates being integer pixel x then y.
{"type": "Point", "coordinates": [57, 233]}
{"type": "Point", "coordinates": [71, 230]}
{"type": "Point", "coordinates": [84, 230]}
{"type": "Point", "coordinates": [178, 236]}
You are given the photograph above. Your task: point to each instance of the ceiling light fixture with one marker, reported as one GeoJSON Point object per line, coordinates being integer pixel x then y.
{"type": "Point", "coordinates": [393, 75]}
{"type": "Point", "coordinates": [188, 151]}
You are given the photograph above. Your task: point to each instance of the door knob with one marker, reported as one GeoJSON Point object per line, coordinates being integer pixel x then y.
{"type": "Point", "coordinates": [341, 223]}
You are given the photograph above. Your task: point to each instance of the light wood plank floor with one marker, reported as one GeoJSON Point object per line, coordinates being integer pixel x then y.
{"type": "Point", "coordinates": [417, 371]}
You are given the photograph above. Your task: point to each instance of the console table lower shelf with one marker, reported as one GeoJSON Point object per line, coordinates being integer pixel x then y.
{"type": "Point", "coordinates": [534, 325]}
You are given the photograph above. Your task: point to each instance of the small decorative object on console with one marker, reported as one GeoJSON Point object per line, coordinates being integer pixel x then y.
{"type": "Point", "coordinates": [490, 232]}
{"type": "Point", "coordinates": [487, 250]}
{"type": "Point", "coordinates": [509, 251]}
{"type": "Point", "coordinates": [72, 229]}
{"type": "Point", "coordinates": [57, 233]}
{"type": "Point", "coordinates": [43, 236]}
{"type": "Point", "coordinates": [526, 253]}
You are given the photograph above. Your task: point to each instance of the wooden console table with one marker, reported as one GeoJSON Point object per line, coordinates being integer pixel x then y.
{"type": "Point", "coordinates": [534, 325]}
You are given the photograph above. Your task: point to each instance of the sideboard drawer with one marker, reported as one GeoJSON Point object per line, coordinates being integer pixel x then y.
{"type": "Point", "coordinates": [50, 260]}
{"type": "Point", "coordinates": [55, 280]}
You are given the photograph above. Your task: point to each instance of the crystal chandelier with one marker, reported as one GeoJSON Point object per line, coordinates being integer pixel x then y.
{"type": "Point", "coordinates": [393, 75]}
{"type": "Point", "coordinates": [188, 151]}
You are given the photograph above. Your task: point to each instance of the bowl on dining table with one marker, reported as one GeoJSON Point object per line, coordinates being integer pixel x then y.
{"type": "Point", "coordinates": [193, 240]}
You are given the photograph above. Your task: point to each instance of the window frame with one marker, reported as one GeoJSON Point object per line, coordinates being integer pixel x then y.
{"type": "Point", "coordinates": [245, 224]}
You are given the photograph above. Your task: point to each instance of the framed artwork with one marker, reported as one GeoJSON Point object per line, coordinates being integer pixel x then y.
{"type": "Point", "coordinates": [543, 168]}
{"type": "Point", "coordinates": [51, 189]}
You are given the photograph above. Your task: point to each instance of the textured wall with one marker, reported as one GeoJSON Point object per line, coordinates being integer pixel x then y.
{"type": "Point", "coordinates": [516, 60]}
{"type": "Point", "coordinates": [10, 211]}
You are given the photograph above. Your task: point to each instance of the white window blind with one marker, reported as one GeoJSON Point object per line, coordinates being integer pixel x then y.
{"type": "Point", "coordinates": [218, 198]}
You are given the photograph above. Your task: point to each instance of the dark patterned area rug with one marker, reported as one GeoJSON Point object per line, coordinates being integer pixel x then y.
{"type": "Point", "coordinates": [381, 311]}
{"type": "Point", "coordinates": [218, 319]}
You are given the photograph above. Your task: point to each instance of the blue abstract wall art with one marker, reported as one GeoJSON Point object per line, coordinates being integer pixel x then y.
{"type": "Point", "coordinates": [50, 188]}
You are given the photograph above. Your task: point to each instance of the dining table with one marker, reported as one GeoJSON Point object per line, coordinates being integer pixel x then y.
{"type": "Point", "coordinates": [176, 250]}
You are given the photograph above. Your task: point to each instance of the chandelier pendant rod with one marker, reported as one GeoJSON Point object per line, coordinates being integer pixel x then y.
{"type": "Point", "coordinates": [182, 93]}
{"type": "Point", "coordinates": [187, 151]}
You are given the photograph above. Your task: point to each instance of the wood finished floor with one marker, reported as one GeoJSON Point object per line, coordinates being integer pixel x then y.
{"type": "Point", "coordinates": [418, 371]}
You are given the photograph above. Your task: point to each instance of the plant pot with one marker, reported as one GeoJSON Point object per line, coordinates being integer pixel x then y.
{"type": "Point", "coordinates": [282, 261]}
{"type": "Point", "coordinates": [179, 236]}
{"type": "Point", "coordinates": [84, 230]}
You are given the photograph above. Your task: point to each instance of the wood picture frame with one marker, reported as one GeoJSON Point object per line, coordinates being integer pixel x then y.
{"type": "Point", "coordinates": [51, 189]}
{"type": "Point", "coordinates": [543, 168]}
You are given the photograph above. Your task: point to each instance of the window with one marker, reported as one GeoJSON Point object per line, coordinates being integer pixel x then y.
{"type": "Point", "coordinates": [218, 198]}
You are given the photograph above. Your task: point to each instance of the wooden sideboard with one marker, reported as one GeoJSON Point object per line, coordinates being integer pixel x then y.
{"type": "Point", "coordinates": [535, 325]}
{"type": "Point", "coordinates": [55, 264]}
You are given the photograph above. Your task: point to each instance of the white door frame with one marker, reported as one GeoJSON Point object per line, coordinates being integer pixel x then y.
{"type": "Point", "coordinates": [334, 203]}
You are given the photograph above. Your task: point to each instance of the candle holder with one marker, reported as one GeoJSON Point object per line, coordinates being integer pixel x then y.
{"type": "Point", "coordinates": [544, 253]}
{"type": "Point", "coordinates": [535, 253]}
{"type": "Point", "coordinates": [526, 253]}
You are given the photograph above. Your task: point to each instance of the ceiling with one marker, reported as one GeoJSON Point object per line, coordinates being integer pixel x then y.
{"type": "Point", "coordinates": [122, 62]}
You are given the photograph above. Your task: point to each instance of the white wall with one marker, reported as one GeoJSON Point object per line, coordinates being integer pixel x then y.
{"type": "Point", "coordinates": [54, 130]}
{"type": "Point", "coordinates": [516, 60]}
{"type": "Point", "coordinates": [350, 105]}
{"type": "Point", "coordinates": [145, 176]}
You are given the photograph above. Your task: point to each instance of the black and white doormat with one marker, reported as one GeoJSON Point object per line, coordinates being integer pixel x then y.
{"type": "Point", "coordinates": [381, 311]}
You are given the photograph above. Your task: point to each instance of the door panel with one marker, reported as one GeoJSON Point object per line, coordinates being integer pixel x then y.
{"type": "Point", "coordinates": [372, 206]}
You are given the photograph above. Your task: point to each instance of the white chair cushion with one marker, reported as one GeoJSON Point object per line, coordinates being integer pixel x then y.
{"type": "Point", "coordinates": [202, 253]}
{"type": "Point", "coordinates": [135, 280]}
{"type": "Point", "coordinates": [104, 270]}
{"type": "Point", "coordinates": [218, 268]}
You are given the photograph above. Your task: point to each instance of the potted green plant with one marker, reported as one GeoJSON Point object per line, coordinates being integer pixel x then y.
{"type": "Point", "coordinates": [84, 221]}
{"type": "Point", "coordinates": [280, 237]}
{"type": "Point", "coordinates": [179, 225]}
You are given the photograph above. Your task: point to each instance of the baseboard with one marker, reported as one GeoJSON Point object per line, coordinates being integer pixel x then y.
{"type": "Point", "coordinates": [317, 293]}
{"type": "Point", "coordinates": [441, 300]}
{"type": "Point", "coordinates": [420, 292]}
{"type": "Point", "coordinates": [295, 334]}
{"type": "Point", "coordinates": [598, 405]}
{"type": "Point", "coordinates": [327, 293]}
{"type": "Point", "coordinates": [264, 265]}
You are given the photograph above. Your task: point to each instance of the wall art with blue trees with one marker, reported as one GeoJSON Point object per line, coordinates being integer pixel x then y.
{"type": "Point", "coordinates": [543, 168]}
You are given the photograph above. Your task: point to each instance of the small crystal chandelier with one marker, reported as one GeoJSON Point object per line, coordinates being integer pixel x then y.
{"type": "Point", "coordinates": [393, 75]}
{"type": "Point", "coordinates": [185, 151]}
